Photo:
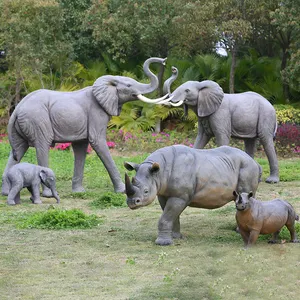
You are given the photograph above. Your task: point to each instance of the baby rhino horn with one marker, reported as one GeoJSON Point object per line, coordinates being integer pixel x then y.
{"type": "Point", "coordinates": [129, 186]}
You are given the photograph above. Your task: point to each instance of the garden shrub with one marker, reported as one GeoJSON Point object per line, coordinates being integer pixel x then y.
{"type": "Point", "coordinates": [287, 114]}
{"type": "Point", "coordinates": [109, 199]}
{"type": "Point", "coordinates": [288, 139]}
{"type": "Point", "coordinates": [60, 219]}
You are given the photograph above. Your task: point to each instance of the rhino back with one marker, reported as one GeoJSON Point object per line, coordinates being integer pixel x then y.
{"type": "Point", "coordinates": [204, 178]}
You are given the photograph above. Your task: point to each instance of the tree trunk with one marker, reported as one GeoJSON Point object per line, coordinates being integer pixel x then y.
{"type": "Point", "coordinates": [285, 86]}
{"type": "Point", "coordinates": [232, 69]}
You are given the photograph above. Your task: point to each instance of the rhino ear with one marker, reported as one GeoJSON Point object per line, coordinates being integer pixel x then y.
{"type": "Point", "coordinates": [210, 98]}
{"type": "Point", "coordinates": [105, 91]}
{"type": "Point", "coordinates": [250, 194]}
{"type": "Point", "coordinates": [235, 194]}
{"type": "Point", "coordinates": [131, 166]}
{"type": "Point", "coordinates": [154, 168]}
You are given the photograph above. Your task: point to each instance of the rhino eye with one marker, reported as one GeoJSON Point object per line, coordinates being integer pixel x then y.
{"type": "Point", "coordinates": [146, 192]}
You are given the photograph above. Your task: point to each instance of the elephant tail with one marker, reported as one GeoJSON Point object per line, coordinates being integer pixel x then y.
{"type": "Point", "coordinates": [13, 134]}
{"type": "Point", "coordinates": [275, 130]}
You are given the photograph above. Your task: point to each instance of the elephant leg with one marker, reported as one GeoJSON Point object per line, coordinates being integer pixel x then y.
{"type": "Point", "coordinates": [103, 153]}
{"type": "Point", "coordinates": [202, 138]}
{"type": "Point", "coordinates": [250, 146]}
{"type": "Point", "coordinates": [35, 194]}
{"type": "Point", "coordinates": [222, 140]}
{"type": "Point", "coordinates": [80, 149]}
{"type": "Point", "coordinates": [42, 154]}
{"type": "Point", "coordinates": [20, 150]}
{"type": "Point", "coordinates": [269, 148]}
{"type": "Point", "coordinates": [14, 194]}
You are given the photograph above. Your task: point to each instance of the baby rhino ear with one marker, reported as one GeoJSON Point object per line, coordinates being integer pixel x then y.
{"type": "Point", "coordinates": [154, 168]}
{"type": "Point", "coordinates": [250, 194]}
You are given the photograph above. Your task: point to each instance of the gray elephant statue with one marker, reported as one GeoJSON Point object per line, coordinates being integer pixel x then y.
{"type": "Point", "coordinates": [30, 176]}
{"type": "Point", "coordinates": [46, 117]}
{"type": "Point", "coordinates": [181, 176]}
{"type": "Point", "coordinates": [247, 116]}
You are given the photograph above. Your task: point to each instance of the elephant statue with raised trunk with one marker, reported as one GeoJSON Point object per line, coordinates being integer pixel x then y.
{"type": "Point", "coordinates": [247, 116]}
{"type": "Point", "coordinates": [45, 117]}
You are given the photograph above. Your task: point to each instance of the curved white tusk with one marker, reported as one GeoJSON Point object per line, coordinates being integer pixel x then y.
{"type": "Point", "coordinates": [154, 101]}
{"type": "Point", "coordinates": [176, 104]}
{"type": "Point", "coordinates": [165, 101]}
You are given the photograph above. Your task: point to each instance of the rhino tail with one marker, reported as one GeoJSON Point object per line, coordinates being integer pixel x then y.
{"type": "Point", "coordinates": [297, 218]}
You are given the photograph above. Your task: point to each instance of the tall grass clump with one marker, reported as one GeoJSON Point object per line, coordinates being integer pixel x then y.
{"type": "Point", "coordinates": [60, 219]}
{"type": "Point", "coordinates": [109, 199]}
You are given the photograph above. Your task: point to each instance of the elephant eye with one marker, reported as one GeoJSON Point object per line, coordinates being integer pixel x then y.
{"type": "Point", "coordinates": [187, 90]}
{"type": "Point", "coordinates": [128, 85]}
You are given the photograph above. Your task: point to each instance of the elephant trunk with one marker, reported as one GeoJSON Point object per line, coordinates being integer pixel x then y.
{"type": "Point", "coordinates": [55, 195]}
{"type": "Point", "coordinates": [153, 85]}
{"type": "Point", "coordinates": [169, 81]}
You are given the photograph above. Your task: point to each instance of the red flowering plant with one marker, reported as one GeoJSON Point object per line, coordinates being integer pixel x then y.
{"type": "Point", "coordinates": [288, 139]}
{"type": "Point", "coordinates": [67, 146]}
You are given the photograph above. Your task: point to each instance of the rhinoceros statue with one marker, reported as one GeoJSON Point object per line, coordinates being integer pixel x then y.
{"type": "Point", "coordinates": [181, 176]}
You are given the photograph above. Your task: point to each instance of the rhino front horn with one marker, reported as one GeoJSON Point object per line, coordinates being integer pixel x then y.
{"type": "Point", "coordinates": [129, 186]}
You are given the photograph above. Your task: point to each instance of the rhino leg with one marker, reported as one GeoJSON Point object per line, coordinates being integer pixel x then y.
{"type": "Point", "coordinates": [252, 238]}
{"type": "Point", "coordinates": [176, 226]}
{"type": "Point", "coordinates": [274, 239]}
{"type": "Point", "coordinates": [291, 227]}
{"type": "Point", "coordinates": [245, 236]}
{"type": "Point", "coordinates": [170, 217]}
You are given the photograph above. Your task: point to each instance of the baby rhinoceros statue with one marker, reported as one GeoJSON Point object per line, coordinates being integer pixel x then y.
{"type": "Point", "coordinates": [181, 176]}
{"type": "Point", "coordinates": [30, 176]}
{"type": "Point", "coordinates": [263, 217]}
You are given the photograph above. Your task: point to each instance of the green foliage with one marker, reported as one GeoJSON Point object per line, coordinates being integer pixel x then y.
{"type": "Point", "coordinates": [60, 219]}
{"type": "Point", "coordinates": [109, 199]}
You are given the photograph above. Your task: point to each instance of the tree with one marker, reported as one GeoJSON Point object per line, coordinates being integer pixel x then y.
{"type": "Point", "coordinates": [31, 34]}
{"type": "Point", "coordinates": [286, 20]}
{"type": "Point", "coordinates": [132, 29]}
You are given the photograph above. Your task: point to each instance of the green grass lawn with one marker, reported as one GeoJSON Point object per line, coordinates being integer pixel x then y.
{"type": "Point", "coordinates": [117, 259]}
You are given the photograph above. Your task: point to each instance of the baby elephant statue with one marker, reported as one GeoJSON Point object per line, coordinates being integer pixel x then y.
{"type": "Point", "coordinates": [30, 176]}
{"type": "Point", "coordinates": [256, 217]}
{"type": "Point", "coordinates": [181, 176]}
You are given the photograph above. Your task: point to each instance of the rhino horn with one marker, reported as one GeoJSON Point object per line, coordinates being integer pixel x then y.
{"type": "Point", "coordinates": [129, 186]}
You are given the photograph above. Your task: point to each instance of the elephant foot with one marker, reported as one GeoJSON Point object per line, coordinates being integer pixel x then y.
{"type": "Point", "coordinates": [295, 241]}
{"type": "Point", "coordinates": [37, 201]}
{"type": "Point", "coordinates": [163, 241]}
{"type": "Point", "coordinates": [5, 187]}
{"type": "Point", "coordinates": [120, 188]}
{"type": "Point", "coordinates": [78, 189]}
{"type": "Point", "coordinates": [272, 179]}
{"type": "Point", "coordinates": [11, 202]}
{"type": "Point", "coordinates": [4, 193]}
{"type": "Point", "coordinates": [177, 235]}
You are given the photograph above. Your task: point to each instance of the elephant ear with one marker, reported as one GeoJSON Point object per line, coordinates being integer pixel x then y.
{"type": "Point", "coordinates": [210, 98]}
{"type": "Point", "coordinates": [43, 175]}
{"type": "Point", "coordinates": [105, 91]}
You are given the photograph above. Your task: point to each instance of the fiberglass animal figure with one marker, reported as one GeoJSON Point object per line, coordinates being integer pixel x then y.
{"type": "Point", "coordinates": [30, 176]}
{"type": "Point", "coordinates": [247, 116]}
{"type": "Point", "coordinates": [181, 176]}
{"type": "Point", "coordinates": [46, 117]}
{"type": "Point", "coordinates": [263, 217]}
